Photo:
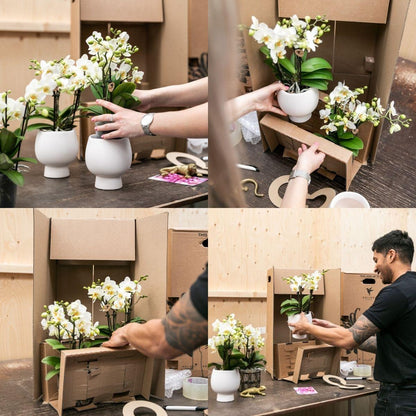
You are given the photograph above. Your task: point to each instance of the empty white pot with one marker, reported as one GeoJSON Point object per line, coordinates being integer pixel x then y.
{"type": "Point", "coordinates": [298, 106]}
{"type": "Point", "coordinates": [108, 160]}
{"type": "Point", "coordinates": [225, 383]}
{"type": "Point", "coordinates": [56, 150]}
{"type": "Point", "coordinates": [349, 200]}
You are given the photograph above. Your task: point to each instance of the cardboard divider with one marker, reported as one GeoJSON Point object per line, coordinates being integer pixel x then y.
{"type": "Point", "coordinates": [370, 11]}
{"type": "Point", "coordinates": [128, 247]}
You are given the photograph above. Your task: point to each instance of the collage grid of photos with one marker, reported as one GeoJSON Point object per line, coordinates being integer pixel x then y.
{"type": "Point", "coordinates": [111, 300]}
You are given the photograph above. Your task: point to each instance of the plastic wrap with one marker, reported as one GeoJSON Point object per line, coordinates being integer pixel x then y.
{"type": "Point", "coordinates": [250, 127]}
{"type": "Point", "coordinates": [174, 380]}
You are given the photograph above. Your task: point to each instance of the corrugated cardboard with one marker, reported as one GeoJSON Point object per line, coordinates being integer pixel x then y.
{"type": "Point", "coordinates": [197, 363]}
{"type": "Point", "coordinates": [126, 10]}
{"type": "Point", "coordinates": [370, 11]}
{"type": "Point", "coordinates": [350, 45]}
{"type": "Point", "coordinates": [187, 257]}
{"type": "Point", "coordinates": [198, 27]}
{"type": "Point", "coordinates": [63, 279]}
{"type": "Point", "coordinates": [325, 307]}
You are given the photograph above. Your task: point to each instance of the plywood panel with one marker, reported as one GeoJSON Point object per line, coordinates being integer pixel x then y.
{"type": "Point", "coordinates": [408, 45]}
{"type": "Point", "coordinates": [16, 240]}
{"type": "Point", "coordinates": [15, 316]}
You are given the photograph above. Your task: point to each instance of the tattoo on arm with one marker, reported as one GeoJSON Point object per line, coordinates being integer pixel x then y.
{"type": "Point", "coordinates": [185, 328]}
{"type": "Point", "coordinates": [363, 329]}
{"type": "Point", "coordinates": [370, 345]}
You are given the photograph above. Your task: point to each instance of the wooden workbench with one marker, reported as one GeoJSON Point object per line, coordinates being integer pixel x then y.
{"type": "Point", "coordinates": [78, 191]}
{"type": "Point", "coordinates": [16, 390]}
{"type": "Point", "coordinates": [282, 399]}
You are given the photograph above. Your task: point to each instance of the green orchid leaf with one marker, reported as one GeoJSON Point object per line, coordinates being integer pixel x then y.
{"type": "Point", "coordinates": [313, 64]}
{"type": "Point", "coordinates": [292, 59]}
{"type": "Point", "coordinates": [287, 64]}
{"type": "Point", "coordinates": [94, 110]}
{"type": "Point", "coordinates": [319, 74]}
{"type": "Point", "coordinates": [15, 176]}
{"type": "Point", "coordinates": [352, 144]}
{"type": "Point", "coordinates": [305, 300]}
{"type": "Point", "coordinates": [97, 90]}
{"type": "Point", "coordinates": [216, 365]}
{"type": "Point", "coordinates": [55, 344]}
{"type": "Point", "coordinates": [25, 159]}
{"type": "Point", "coordinates": [124, 87]}
{"type": "Point", "coordinates": [292, 302]}
{"type": "Point", "coordinates": [119, 100]}
{"type": "Point", "coordinates": [265, 51]}
{"type": "Point", "coordinates": [51, 360]}
{"type": "Point", "coordinates": [315, 83]}
{"type": "Point", "coordinates": [51, 374]}
{"type": "Point", "coordinates": [5, 162]}
{"type": "Point", "coordinates": [40, 126]}
{"type": "Point", "coordinates": [8, 141]}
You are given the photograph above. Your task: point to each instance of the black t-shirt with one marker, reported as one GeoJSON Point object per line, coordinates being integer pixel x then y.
{"type": "Point", "coordinates": [199, 294]}
{"type": "Point", "coordinates": [394, 313]}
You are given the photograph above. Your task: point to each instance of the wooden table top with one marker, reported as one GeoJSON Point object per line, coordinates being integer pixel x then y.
{"type": "Point", "coordinates": [16, 390]}
{"type": "Point", "coordinates": [78, 191]}
{"type": "Point", "coordinates": [281, 398]}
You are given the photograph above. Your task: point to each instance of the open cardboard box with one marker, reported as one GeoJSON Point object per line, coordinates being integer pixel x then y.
{"type": "Point", "coordinates": [72, 253]}
{"type": "Point", "coordinates": [197, 363]}
{"type": "Point", "coordinates": [361, 49]}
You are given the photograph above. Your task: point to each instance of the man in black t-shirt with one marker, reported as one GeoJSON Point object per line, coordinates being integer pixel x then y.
{"type": "Point", "coordinates": [184, 328]}
{"type": "Point", "coordinates": [387, 328]}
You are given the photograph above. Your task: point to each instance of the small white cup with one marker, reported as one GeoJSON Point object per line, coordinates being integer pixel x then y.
{"type": "Point", "coordinates": [349, 200]}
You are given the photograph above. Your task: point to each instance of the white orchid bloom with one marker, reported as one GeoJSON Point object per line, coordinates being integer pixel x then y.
{"type": "Point", "coordinates": [15, 109]}
{"type": "Point", "coordinates": [33, 92]}
{"type": "Point", "coordinates": [325, 113]}
{"type": "Point", "coordinates": [360, 112]}
{"type": "Point", "coordinates": [137, 76]}
{"type": "Point", "coordinates": [127, 285]}
{"type": "Point", "coordinates": [394, 128]}
{"type": "Point", "coordinates": [310, 37]}
{"type": "Point", "coordinates": [297, 23]}
{"type": "Point", "coordinates": [393, 110]}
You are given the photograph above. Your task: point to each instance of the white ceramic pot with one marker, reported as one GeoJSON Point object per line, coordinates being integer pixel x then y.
{"type": "Point", "coordinates": [56, 150]}
{"type": "Point", "coordinates": [298, 106]}
{"type": "Point", "coordinates": [225, 383]}
{"type": "Point", "coordinates": [295, 318]}
{"type": "Point", "coordinates": [108, 160]}
{"type": "Point", "coordinates": [349, 200]}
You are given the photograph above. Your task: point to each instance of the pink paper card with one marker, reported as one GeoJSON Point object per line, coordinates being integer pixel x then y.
{"type": "Point", "coordinates": [305, 390]}
{"type": "Point", "coordinates": [175, 178]}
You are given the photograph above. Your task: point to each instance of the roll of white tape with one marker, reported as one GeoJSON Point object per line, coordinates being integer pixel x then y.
{"type": "Point", "coordinates": [195, 388]}
{"type": "Point", "coordinates": [362, 370]}
{"type": "Point", "coordinates": [130, 407]}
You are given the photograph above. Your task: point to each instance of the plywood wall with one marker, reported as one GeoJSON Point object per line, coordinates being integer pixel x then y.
{"type": "Point", "coordinates": [408, 45]}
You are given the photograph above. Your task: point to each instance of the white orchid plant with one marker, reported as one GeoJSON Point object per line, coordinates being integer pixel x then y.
{"type": "Point", "coordinates": [115, 78]}
{"type": "Point", "coordinates": [10, 140]}
{"type": "Point", "coordinates": [344, 113]}
{"type": "Point", "coordinates": [115, 298]}
{"type": "Point", "coordinates": [237, 345]}
{"type": "Point", "coordinates": [71, 326]}
{"type": "Point", "coordinates": [54, 78]}
{"type": "Point", "coordinates": [286, 47]}
{"type": "Point", "coordinates": [306, 282]}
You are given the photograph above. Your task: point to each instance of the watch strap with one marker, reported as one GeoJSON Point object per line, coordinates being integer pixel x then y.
{"type": "Point", "coordinates": [297, 173]}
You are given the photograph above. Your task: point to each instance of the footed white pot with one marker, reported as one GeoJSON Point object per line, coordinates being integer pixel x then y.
{"type": "Point", "coordinates": [56, 150]}
{"type": "Point", "coordinates": [349, 200]}
{"type": "Point", "coordinates": [295, 318]}
{"type": "Point", "coordinates": [225, 383]}
{"type": "Point", "coordinates": [298, 106]}
{"type": "Point", "coordinates": [108, 160]}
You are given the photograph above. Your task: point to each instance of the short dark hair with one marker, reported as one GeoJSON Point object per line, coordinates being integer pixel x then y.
{"type": "Point", "coordinates": [397, 240]}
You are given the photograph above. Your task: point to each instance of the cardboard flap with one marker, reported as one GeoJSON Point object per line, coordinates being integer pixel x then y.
{"type": "Point", "coordinates": [98, 374]}
{"type": "Point", "coordinates": [282, 288]}
{"type": "Point", "coordinates": [137, 11]}
{"type": "Point", "coordinates": [97, 239]}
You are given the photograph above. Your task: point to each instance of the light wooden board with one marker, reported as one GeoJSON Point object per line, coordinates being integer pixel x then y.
{"type": "Point", "coordinates": [408, 45]}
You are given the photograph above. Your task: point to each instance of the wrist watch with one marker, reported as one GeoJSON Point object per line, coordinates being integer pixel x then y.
{"type": "Point", "coordinates": [145, 122]}
{"type": "Point", "coordinates": [300, 173]}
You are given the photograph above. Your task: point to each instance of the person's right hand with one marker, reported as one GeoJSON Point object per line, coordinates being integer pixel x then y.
{"type": "Point", "coordinates": [147, 100]}
{"type": "Point", "coordinates": [265, 99]}
{"type": "Point", "coordinates": [323, 323]}
{"type": "Point", "coordinates": [309, 159]}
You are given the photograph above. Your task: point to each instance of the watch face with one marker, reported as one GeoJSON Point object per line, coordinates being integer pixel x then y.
{"type": "Point", "coordinates": [146, 119]}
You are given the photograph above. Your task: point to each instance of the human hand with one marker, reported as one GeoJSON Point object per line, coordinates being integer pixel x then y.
{"type": "Point", "coordinates": [323, 323]}
{"type": "Point", "coordinates": [309, 159]}
{"type": "Point", "coordinates": [118, 339]}
{"type": "Point", "coordinates": [265, 99]}
{"type": "Point", "coordinates": [147, 100]}
{"type": "Point", "coordinates": [300, 327]}
{"type": "Point", "coordinates": [123, 123]}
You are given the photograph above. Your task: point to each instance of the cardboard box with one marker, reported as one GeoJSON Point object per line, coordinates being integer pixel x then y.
{"type": "Point", "coordinates": [349, 47]}
{"type": "Point", "coordinates": [197, 363]}
{"type": "Point", "coordinates": [358, 294]}
{"type": "Point", "coordinates": [126, 10]}
{"type": "Point", "coordinates": [369, 11]}
{"type": "Point", "coordinates": [198, 27]}
{"type": "Point", "coordinates": [71, 253]}
{"type": "Point", "coordinates": [187, 259]}
{"type": "Point", "coordinates": [325, 307]}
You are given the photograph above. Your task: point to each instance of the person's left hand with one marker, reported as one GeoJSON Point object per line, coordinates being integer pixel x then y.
{"type": "Point", "coordinates": [265, 99]}
{"type": "Point", "coordinates": [123, 123]}
{"type": "Point", "coordinates": [301, 326]}
{"type": "Point", "coordinates": [117, 340]}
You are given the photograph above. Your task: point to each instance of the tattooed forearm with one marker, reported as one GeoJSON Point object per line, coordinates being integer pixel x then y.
{"type": "Point", "coordinates": [362, 330]}
{"type": "Point", "coordinates": [370, 345]}
{"type": "Point", "coordinates": [185, 328]}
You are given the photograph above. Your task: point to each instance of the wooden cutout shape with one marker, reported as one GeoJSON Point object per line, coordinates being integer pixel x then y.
{"type": "Point", "coordinates": [276, 200]}
{"type": "Point", "coordinates": [129, 408]}
{"type": "Point", "coordinates": [314, 362]}
{"type": "Point", "coordinates": [173, 158]}
{"type": "Point", "coordinates": [341, 383]}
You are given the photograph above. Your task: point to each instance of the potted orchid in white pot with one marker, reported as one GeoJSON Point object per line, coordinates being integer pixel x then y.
{"type": "Point", "coordinates": [116, 81]}
{"type": "Point", "coordinates": [286, 47]}
{"type": "Point", "coordinates": [56, 143]}
{"type": "Point", "coordinates": [293, 307]}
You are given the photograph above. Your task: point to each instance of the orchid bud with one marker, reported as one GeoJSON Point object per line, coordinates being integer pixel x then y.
{"type": "Point", "coordinates": [307, 19]}
{"type": "Point", "coordinates": [402, 116]}
{"type": "Point", "coordinates": [44, 112]}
